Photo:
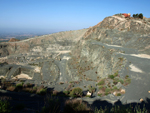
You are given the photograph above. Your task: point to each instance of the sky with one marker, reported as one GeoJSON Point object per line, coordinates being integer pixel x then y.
{"type": "Point", "coordinates": [63, 15]}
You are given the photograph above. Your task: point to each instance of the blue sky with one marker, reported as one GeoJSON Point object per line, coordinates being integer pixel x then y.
{"type": "Point", "coordinates": [63, 15]}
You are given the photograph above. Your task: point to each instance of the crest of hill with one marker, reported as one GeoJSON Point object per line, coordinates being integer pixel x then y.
{"type": "Point", "coordinates": [141, 26]}
{"type": "Point", "coordinates": [13, 40]}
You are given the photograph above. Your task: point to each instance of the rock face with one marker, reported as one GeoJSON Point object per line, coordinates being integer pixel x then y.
{"type": "Point", "coordinates": [116, 44]}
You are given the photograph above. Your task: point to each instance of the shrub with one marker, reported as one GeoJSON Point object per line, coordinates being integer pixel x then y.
{"type": "Point", "coordinates": [75, 106]}
{"type": "Point", "coordinates": [121, 81]}
{"type": "Point", "coordinates": [116, 80]}
{"type": "Point", "coordinates": [19, 86]}
{"type": "Point", "coordinates": [116, 74]}
{"type": "Point", "coordinates": [101, 87]}
{"type": "Point", "coordinates": [91, 89]}
{"type": "Point", "coordinates": [115, 88]}
{"type": "Point", "coordinates": [102, 82]}
{"type": "Point", "coordinates": [34, 88]}
{"type": "Point", "coordinates": [138, 15]}
{"type": "Point", "coordinates": [119, 94]}
{"type": "Point", "coordinates": [141, 15]}
{"type": "Point", "coordinates": [76, 92]}
{"type": "Point", "coordinates": [111, 76]}
{"type": "Point", "coordinates": [42, 91]}
{"type": "Point", "coordinates": [100, 95]}
{"type": "Point", "coordinates": [66, 92]}
{"type": "Point", "coordinates": [107, 90]}
{"type": "Point", "coordinates": [4, 106]}
{"type": "Point", "coordinates": [126, 76]}
{"type": "Point", "coordinates": [127, 81]}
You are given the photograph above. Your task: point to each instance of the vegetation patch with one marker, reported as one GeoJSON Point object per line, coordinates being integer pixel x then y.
{"type": "Point", "coordinates": [75, 106]}
{"type": "Point", "coordinates": [4, 106]}
{"type": "Point", "coordinates": [76, 92]}
{"type": "Point", "coordinates": [42, 91]}
{"type": "Point", "coordinates": [91, 89]}
{"type": "Point", "coordinates": [111, 76]}
{"type": "Point", "coordinates": [101, 82]}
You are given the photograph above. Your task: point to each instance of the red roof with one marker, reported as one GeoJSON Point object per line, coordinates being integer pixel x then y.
{"type": "Point", "coordinates": [126, 15]}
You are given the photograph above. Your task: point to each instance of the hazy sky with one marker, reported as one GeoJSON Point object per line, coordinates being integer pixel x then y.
{"type": "Point", "coordinates": [62, 15]}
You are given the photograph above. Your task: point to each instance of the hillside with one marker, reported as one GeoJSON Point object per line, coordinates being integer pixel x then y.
{"type": "Point", "coordinates": [112, 56]}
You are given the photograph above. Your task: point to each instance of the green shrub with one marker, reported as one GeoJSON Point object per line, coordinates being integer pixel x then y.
{"type": "Point", "coordinates": [111, 76]}
{"type": "Point", "coordinates": [100, 87]}
{"type": "Point", "coordinates": [141, 15]}
{"type": "Point", "coordinates": [66, 92]}
{"type": "Point", "coordinates": [4, 106]}
{"type": "Point", "coordinates": [138, 15]}
{"type": "Point", "coordinates": [127, 76]}
{"type": "Point", "coordinates": [100, 95]}
{"type": "Point", "coordinates": [42, 91]}
{"type": "Point", "coordinates": [19, 86]}
{"type": "Point", "coordinates": [34, 88]}
{"type": "Point", "coordinates": [115, 88]}
{"type": "Point", "coordinates": [116, 74]}
{"type": "Point", "coordinates": [116, 80]}
{"type": "Point", "coordinates": [102, 82]}
{"type": "Point", "coordinates": [91, 89]}
{"type": "Point", "coordinates": [76, 92]}
{"type": "Point", "coordinates": [119, 94]}
{"type": "Point", "coordinates": [121, 81]}
{"type": "Point", "coordinates": [127, 81]}
{"type": "Point", "coordinates": [107, 90]}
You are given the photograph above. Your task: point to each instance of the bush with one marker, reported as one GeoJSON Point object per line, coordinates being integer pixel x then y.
{"type": "Point", "coordinates": [76, 92]}
{"type": "Point", "coordinates": [116, 74]}
{"type": "Point", "coordinates": [4, 106]}
{"type": "Point", "coordinates": [42, 91]}
{"type": "Point", "coordinates": [116, 80]}
{"type": "Point", "coordinates": [66, 92]}
{"type": "Point", "coordinates": [91, 89]}
{"type": "Point", "coordinates": [101, 87]}
{"type": "Point", "coordinates": [102, 82]}
{"type": "Point", "coordinates": [19, 86]}
{"type": "Point", "coordinates": [121, 81]}
{"type": "Point", "coordinates": [111, 76]}
{"type": "Point", "coordinates": [138, 15]}
{"type": "Point", "coordinates": [74, 106]}
{"type": "Point", "coordinates": [119, 94]}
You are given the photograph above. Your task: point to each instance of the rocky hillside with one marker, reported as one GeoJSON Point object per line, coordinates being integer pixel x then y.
{"type": "Point", "coordinates": [113, 54]}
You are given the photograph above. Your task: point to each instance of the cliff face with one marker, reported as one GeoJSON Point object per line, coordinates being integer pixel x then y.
{"type": "Point", "coordinates": [114, 45]}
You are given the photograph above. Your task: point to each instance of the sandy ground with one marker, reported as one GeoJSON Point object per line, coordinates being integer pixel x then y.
{"type": "Point", "coordinates": [141, 55]}
{"type": "Point", "coordinates": [22, 76]}
{"type": "Point", "coordinates": [135, 69]}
